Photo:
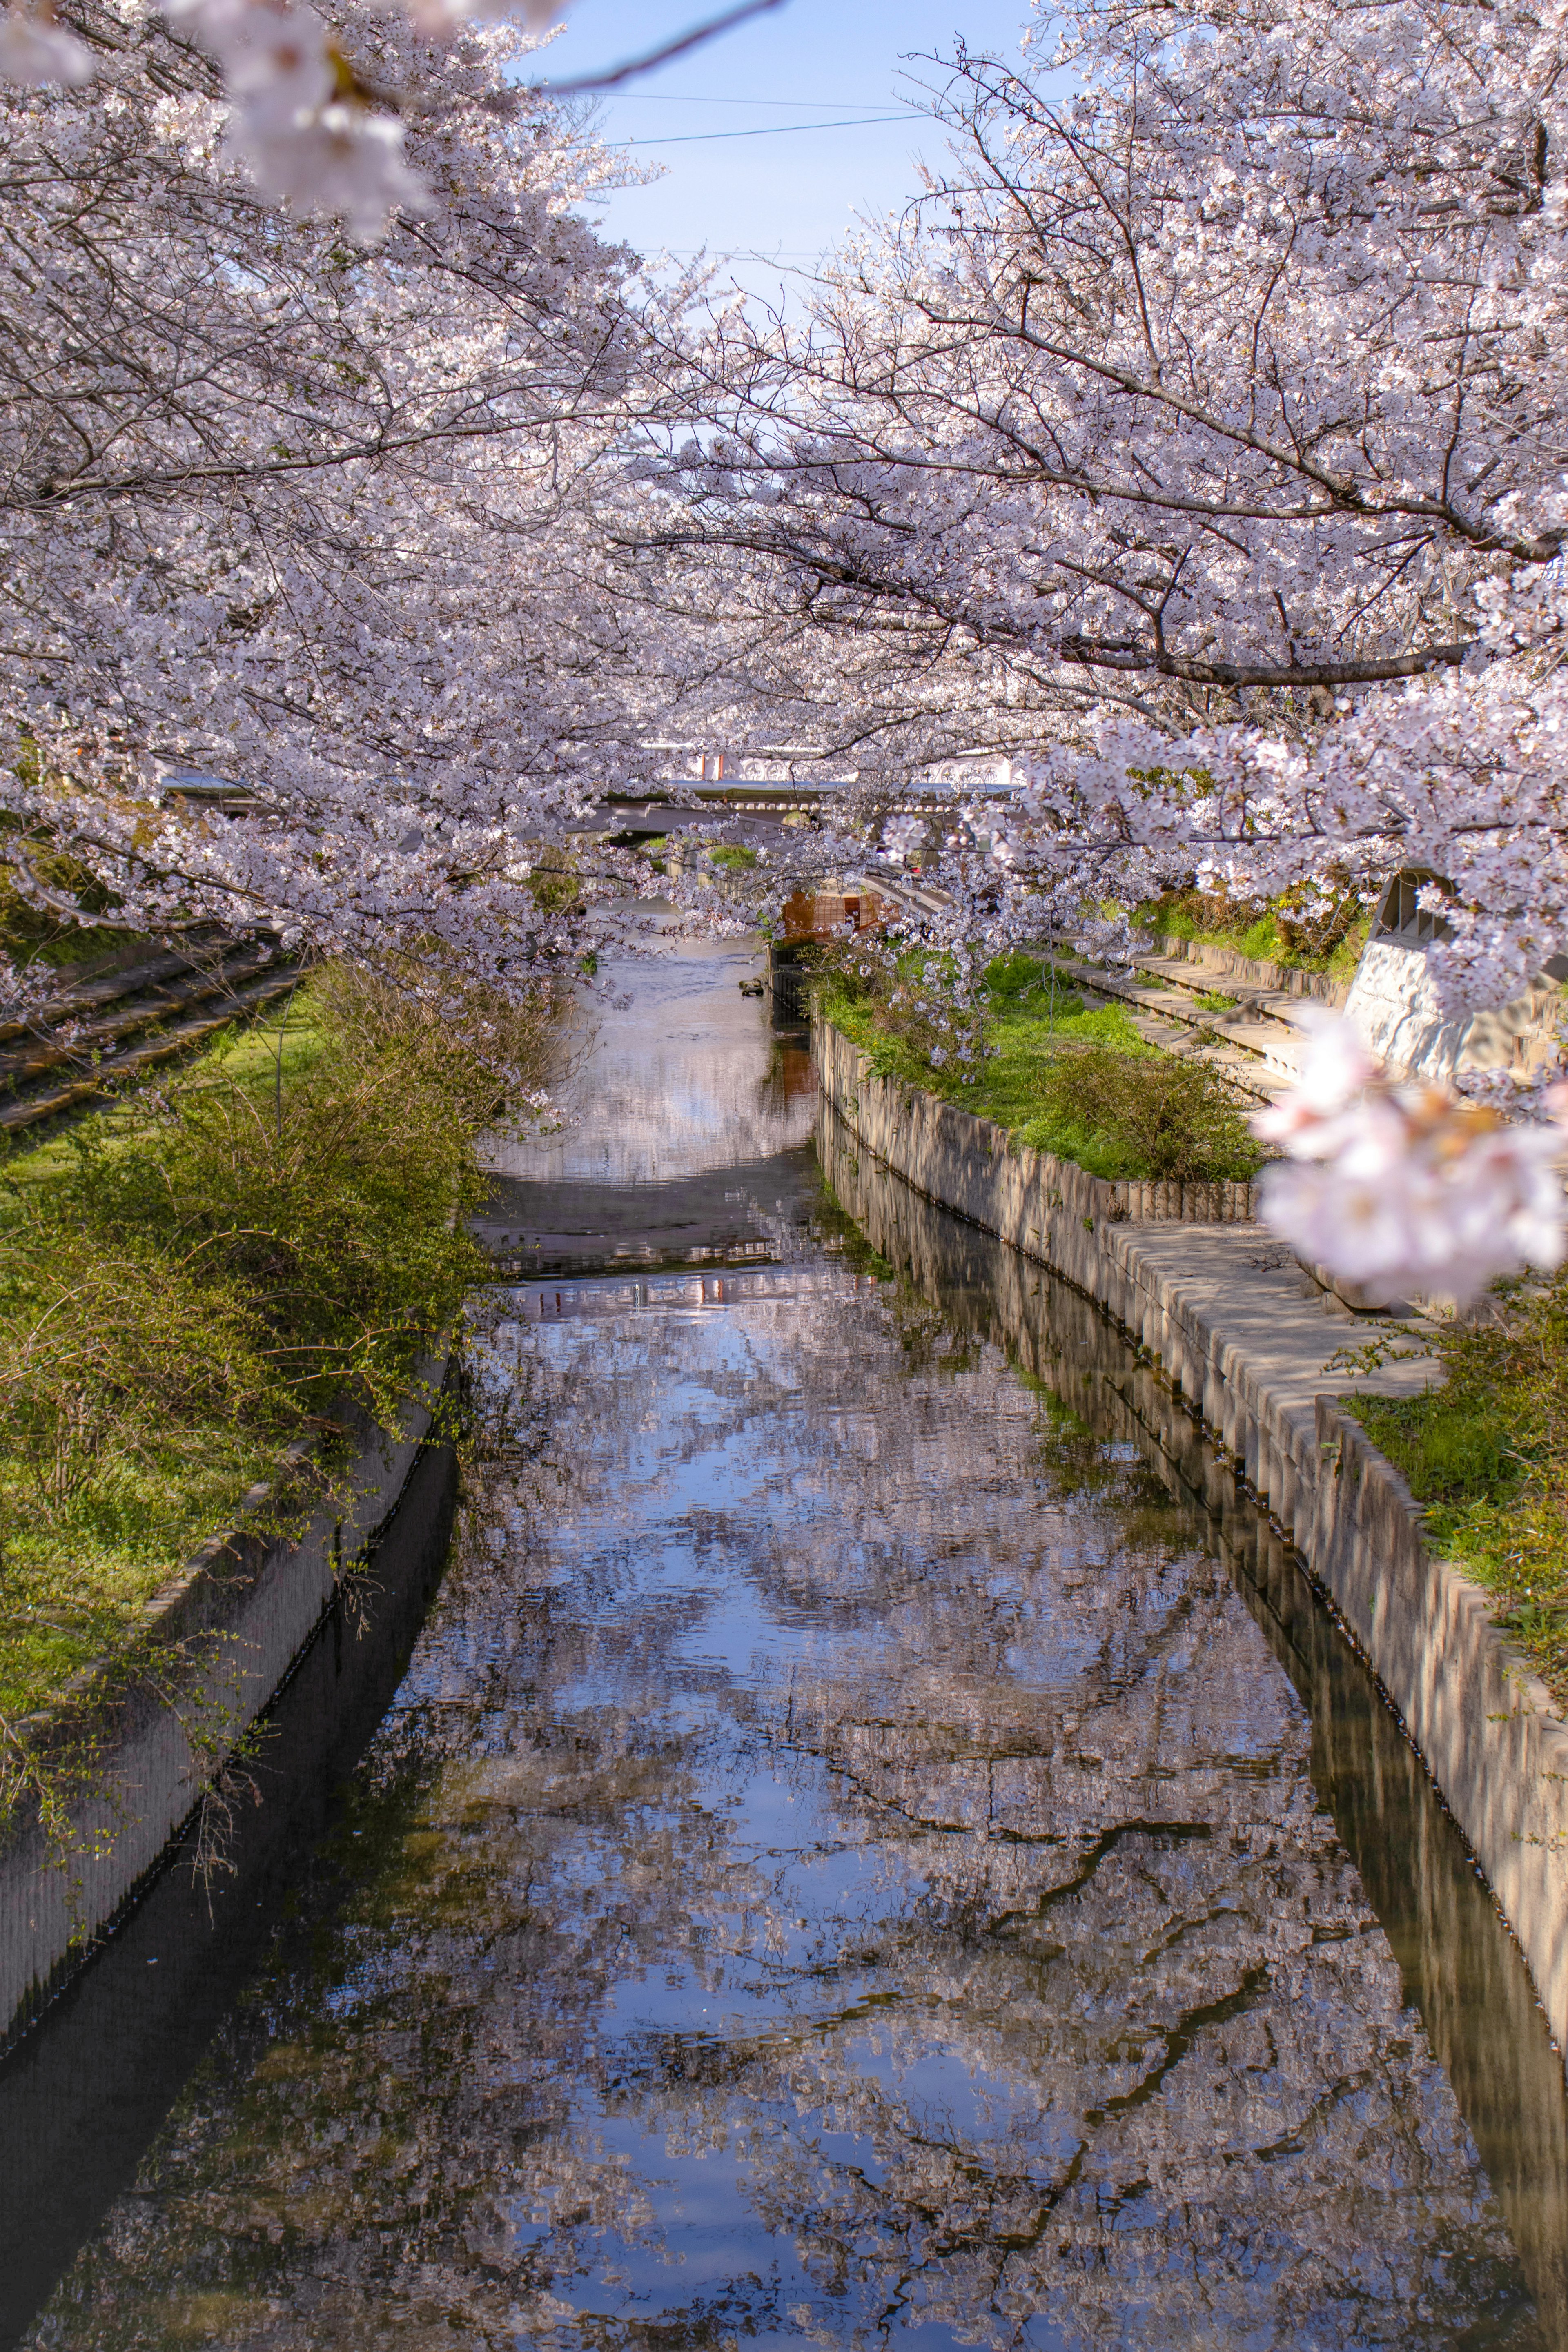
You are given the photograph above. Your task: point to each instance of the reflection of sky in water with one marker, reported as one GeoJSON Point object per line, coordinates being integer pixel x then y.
{"type": "Point", "coordinates": [685, 1078]}
{"type": "Point", "coordinates": [842, 1867]}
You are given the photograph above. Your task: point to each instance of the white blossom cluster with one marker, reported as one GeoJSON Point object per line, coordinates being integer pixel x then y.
{"type": "Point", "coordinates": [338, 526]}
{"type": "Point", "coordinates": [313, 134]}
{"type": "Point", "coordinates": [1403, 1189]}
{"type": "Point", "coordinates": [1196, 453]}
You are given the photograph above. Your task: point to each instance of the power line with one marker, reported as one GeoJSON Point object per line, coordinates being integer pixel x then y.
{"type": "Point", "coordinates": [770, 130]}
{"type": "Point", "coordinates": [825, 105]}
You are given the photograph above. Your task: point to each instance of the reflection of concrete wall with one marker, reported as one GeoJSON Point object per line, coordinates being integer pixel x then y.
{"type": "Point", "coordinates": [1487, 1727]}
{"type": "Point", "coordinates": [1394, 1004]}
{"type": "Point", "coordinates": [1445, 1666]}
{"type": "Point", "coordinates": [85, 2094]}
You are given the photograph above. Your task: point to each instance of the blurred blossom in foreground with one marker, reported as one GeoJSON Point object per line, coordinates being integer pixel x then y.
{"type": "Point", "coordinates": [305, 144]}
{"type": "Point", "coordinates": [34, 48]}
{"type": "Point", "coordinates": [297, 117]}
{"type": "Point", "coordinates": [902, 837]}
{"type": "Point", "coordinates": [1404, 1190]}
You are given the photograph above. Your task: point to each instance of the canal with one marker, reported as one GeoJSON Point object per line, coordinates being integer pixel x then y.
{"type": "Point", "coordinates": [865, 1837]}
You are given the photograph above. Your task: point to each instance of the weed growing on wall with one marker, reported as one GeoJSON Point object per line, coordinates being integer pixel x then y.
{"type": "Point", "coordinates": [1309, 928]}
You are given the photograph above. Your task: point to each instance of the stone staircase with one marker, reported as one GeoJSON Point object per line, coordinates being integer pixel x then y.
{"type": "Point", "coordinates": [1255, 1040]}
{"type": "Point", "coordinates": [101, 1030]}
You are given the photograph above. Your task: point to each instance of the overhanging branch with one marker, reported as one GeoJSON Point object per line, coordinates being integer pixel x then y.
{"type": "Point", "coordinates": [1370, 670]}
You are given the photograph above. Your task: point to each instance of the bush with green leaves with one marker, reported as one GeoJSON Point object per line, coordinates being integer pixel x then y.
{"type": "Point", "coordinates": [1172, 1117]}
{"type": "Point", "coordinates": [1065, 1076]}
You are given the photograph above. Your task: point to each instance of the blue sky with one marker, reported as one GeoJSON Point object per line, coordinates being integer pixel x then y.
{"type": "Point", "coordinates": [790, 192]}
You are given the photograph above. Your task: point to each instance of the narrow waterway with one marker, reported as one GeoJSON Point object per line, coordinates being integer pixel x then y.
{"type": "Point", "coordinates": [875, 1843]}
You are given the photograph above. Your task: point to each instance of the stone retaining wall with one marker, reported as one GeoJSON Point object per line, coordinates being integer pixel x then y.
{"type": "Point", "coordinates": [1483, 1722]}
{"type": "Point", "coordinates": [1486, 1724]}
{"type": "Point", "coordinates": [1256, 971]}
{"type": "Point", "coordinates": [970, 1164]}
{"type": "Point", "coordinates": [132, 1752]}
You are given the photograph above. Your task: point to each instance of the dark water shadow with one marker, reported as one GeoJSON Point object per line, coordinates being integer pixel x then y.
{"type": "Point", "coordinates": [84, 2094]}
{"type": "Point", "coordinates": [730, 1216]}
{"type": "Point", "coordinates": [1461, 1968]}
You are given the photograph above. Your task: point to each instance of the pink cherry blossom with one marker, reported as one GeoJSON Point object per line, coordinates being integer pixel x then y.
{"type": "Point", "coordinates": [1405, 1190]}
{"type": "Point", "coordinates": [34, 48]}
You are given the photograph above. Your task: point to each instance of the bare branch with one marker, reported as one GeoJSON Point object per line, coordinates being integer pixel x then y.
{"type": "Point", "coordinates": [631, 67]}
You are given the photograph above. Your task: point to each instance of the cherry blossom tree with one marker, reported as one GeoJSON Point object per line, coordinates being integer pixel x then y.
{"type": "Point", "coordinates": [1196, 445]}
{"type": "Point", "coordinates": [319, 392]}
{"type": "Point", "coordinates": [321, 496]}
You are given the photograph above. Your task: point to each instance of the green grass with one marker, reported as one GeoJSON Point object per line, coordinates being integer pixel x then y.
{"type": "Point", "coordinates": [1209, 999]}
{"type": "Point", "coordinates": [1330, 944]}
{"type": "Point", "coordinates": [190, 1280]}
{"type": "Point", "coordinates": [733, 857]}
{"type": "Point", "coordinates": [1049, 1071]}
{"type": "Point", "coordinates": [1486, 1454]}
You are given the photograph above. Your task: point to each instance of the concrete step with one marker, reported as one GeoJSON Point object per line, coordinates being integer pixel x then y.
{"type": "Point", "coordinates": [44, 1049]}
{"type": "Point", "coordinates": [66, 1091]}
{"type": "Point", "coordinates": [1259, 1057]}
{"type": "Point", "coordinates": [1185, 983]}
{"type": "Point", "coordinates": [1251, 1033]}
{"type": "Point", "coordinates": [108, 988]}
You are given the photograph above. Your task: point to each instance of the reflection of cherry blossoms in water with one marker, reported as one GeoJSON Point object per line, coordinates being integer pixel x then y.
{"type": "Point", "coordinates": [841, 1869]}
{"type": "Point", "coordinates": [673, 1083]}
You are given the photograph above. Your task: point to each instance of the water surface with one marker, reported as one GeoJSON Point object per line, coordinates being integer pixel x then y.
{"type": "Point", "coordinates": [876, 1844]}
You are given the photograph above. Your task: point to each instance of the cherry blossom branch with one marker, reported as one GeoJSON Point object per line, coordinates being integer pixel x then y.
{"type": "Point", "coordinates": [1374, 669]}
{"type": "Point", "coordinates": [696, 38]}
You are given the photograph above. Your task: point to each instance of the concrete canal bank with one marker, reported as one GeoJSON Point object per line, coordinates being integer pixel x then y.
{"type": "Point", "coordinates": [132, 1752]}
{"type": "Point", "coordinates": [1241, 1334]}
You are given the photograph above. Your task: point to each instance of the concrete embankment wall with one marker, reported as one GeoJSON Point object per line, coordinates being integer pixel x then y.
{"type": "Point", "coordinates": [1037, 1202]}
{"type": "Point", "coordinates": [1459, 1969]}
{"type": "Point", "coordinates": [1256, 971]}
{"type": "Point", "coordinates": [125, 1761]}
{"type": "Point", "coordinates": [1220, 1313]}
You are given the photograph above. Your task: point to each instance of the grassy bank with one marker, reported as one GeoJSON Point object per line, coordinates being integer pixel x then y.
{"type": "Point", "coordinates": [1302, 931]}
{"type": "Point", "coordinates": [1063, 1076]}
{"type": "Point", "coordinates": [189, 1281]}
{"type": "Point", "coordinates": [1487, 1454]}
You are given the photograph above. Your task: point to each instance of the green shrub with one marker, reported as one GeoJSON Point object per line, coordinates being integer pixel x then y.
{"type": "Point", "coordinates": [1172, 1119]}
{"type": "Point", "coordinates": [1066, 1077]}
{"type": "Point", "coordinates": [733, 857]}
